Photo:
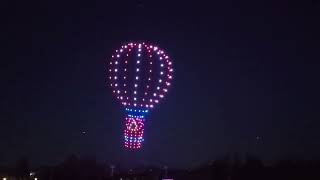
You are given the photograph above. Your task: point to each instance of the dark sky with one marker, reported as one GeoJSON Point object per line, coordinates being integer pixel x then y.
{"type": "Point", "coordinates": [243, 69]}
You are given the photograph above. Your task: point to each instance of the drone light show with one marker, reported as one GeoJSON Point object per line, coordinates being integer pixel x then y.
{"type": "Point", "coordinates": [140, 75]}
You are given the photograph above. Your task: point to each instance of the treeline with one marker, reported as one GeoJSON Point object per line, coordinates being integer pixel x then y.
{"type": "Point", "coordinates": [226, 168]}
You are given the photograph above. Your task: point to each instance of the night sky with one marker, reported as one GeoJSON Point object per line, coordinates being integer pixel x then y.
{"type": "Point", "coordinates": [245, 80]}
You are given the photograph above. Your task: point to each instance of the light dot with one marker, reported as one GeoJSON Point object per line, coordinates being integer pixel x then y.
{"type": "Point", "coordinates": [161, 96]}
{"type": "Point", "coordinates": [138, 62]}
{"type": "Point", "coordinates": [161, 65]}
{"type": "Point", "coordinates": [160, 80]}
{"type": "Point", "coordinates": [158, 88]}
{"type": "Point", "coordinates": [161, 73]}
{"type": "Point", "coordinates": [137, 69]}
{"type": "Point", "coordinates": [135, 85]}
{"type": "Point", "coordinates": [115, 77]}
{"type": "Point", "coordinates": [118, 91]}
{"type": "Point", "coordinates": [115, 70]}
{"type": "Point", "coordinates": [155, 48]}
{"type": "Point", "coordinates": [121, 50]}
{"type": "Point", "coordinates": [135, 99]}
{"type": "Point", "coordinates": [118, 55]}
{"type": "Point", "coordinates": [135, 92]}
{"type": "Point", "coordinates": [154, 94]}
{"type": "Point", "coordinates": [115, 85]}
{"type": "Point", "coordinates": [170, 63]}
{"type": "Point", "coordinates": [137, 77]}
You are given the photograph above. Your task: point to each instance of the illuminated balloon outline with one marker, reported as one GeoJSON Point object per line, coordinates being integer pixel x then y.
{"type": "Point", "coordinates": [140, 75]}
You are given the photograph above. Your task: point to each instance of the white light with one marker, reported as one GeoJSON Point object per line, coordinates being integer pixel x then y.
{"type": "Point", "coordinates": [151, 105]}
{"type": "Point", "coordinates": [125, 92]}
{"type": "Point", "coordinates": [147, 105]}
{"type": "Point", "coordinates": [150, 62]}
{"type": "Point", "coordinates": [110, 77]}
{"type": "Point", "coordinates": [135, 92]}
{"type": "Point", "coordinates": [142, 99]}
{"type": "Point", "coordinates": [158, 52]}
{"type": "Point", "coordinates": [150, 100]}
{"type": "Point", "coordinates": [124, 77]}
{"type": "Point", "coordinates": [167, 57]}
{"type": "Point", "coordinates": [160, 58]}
{"type": "Point", "coordinates": [138, 69]}
{"type": "Point", "coordinates": [139, 45]}
{"type": "Point", "coordinates": [138, 62]}
{"type": "Point", "coordinates": [135, 99]}
{"type": "Point", "coordinates": [149, 79]}
{"type": "Point", "coordinates": [147, 86]}
{"type": "Point", "coordinates": [155, 48]}
{"type": "Point", "coordinates": [121, 50]}
{"type": "Point", "coordinates": [139, 55]}
{"type": "Point", "coordinates": [135, 104]}
{"type": "Point", "coordinates": [137, 77]}
{"type": "Point", "coordinates": [161, 95]}
{"type": "Point", "coordinates": [161, 73]}
{"type": "Point", "coordinates": [135, 85]}
{"type": "Point", "coordinates": [156, 101]}
{"type": "Point", "coordinates": [150, 70]}
{"type": "Point", "coordinates": [121, 97]}
{"type": "Point", "coordinates": [165, 90]}
{"type": "Point", "coordinates": [158, 88]}
{"type": "Point", "coordinates": [115, 85]}
{"type": "Point", "coordinates": [160, 80]}
{"type": "Point", "coordinates": [170, 77]}
{"type": "Point", "coordinates": [124, 85]}
{"type": "Point", "coordinates": [139, 50]}
{"type": "Point", "coordinates": [118, 91]}
{"type": "Point", "coordinates": [110, 62]}
{"type": "Point", "coordinates": [115, 77]}
{"type": "Point", "coordinates": [112, 56]}
{"type": "Point", "coordinates": [109, 70]}
{"type": "Point", "coordinates": [170, 63]}
{"type": "Point", "coordinates": [116, 62]}
{"type": "Point", "coordinates": [145, 93]}
{"type": "Point", "coordinates": [168, 84]}
{"type": "Point", "coordinates": [171, 70]}
{"type": "Point", "coordinates": [125, 46]}
{"type": "Point", "coordinates": [125, 69]}
{"type": "Point", "coordinates": [118, 55]}
{"type": "Point", "coordinates": [154, 94]}
{"type": "Point", "coordinates": [126, 62]}
{"type": "Point", "coordinates": [115, 70]}
{"type": "Point", "coordinates": [161, 52]}
{"type": "Point", "coordinates": [161, 65]}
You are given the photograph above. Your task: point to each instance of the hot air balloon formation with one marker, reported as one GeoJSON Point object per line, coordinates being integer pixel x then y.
{"type": "Point", "coordinates": [140, 75]}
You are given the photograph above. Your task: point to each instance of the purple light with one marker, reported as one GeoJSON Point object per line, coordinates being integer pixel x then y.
{"type": "Point", "coordinates": [139, 74]}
